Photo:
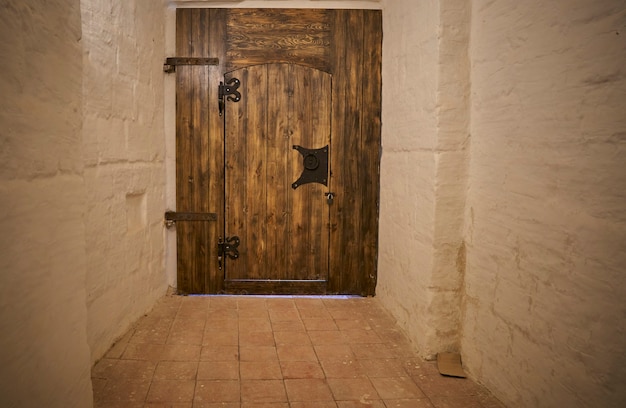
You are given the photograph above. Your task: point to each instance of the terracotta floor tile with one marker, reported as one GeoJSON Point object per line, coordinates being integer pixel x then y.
{"type": "Point", "coordinates": [303, 303]}
{"type": "Point", "coordinates": [251, 324]}
{"type": "Point", "coordinates": [342, 369]}
{"type": "Point", "coordinates": [288, 325]}
{"type": "Point", "coordinates": [416, 367]}
{"type": "Point", "coordinates": [256, 313]}
{"type": "Point", "coordinates": [223, 352]}
{"type": "Point", "coordinates": [125, 390]}
{"type": "Point", "coordinates": [263, 391]}
{"type": "Point", "coordinates": [251, 302]}
{"type": "Point", "coordinates": [220, 338]}
{"type": "Point", "coordinates": [310, 389]}
{"type": "Point", "coordinates": [314, 404]}
{"type": "Point", "coordinates": [296, 353]}
{"type": "Point", "coordinates": [216, 392]}
{"type": "Point", "coordinates": [260, 370]}
{"type": "Point", "coordinates": [133, 369]}
{"type": "Point", "coordinates": [171, 391]}
{"type": "Point", "coordinates": [359, 404]}
{"type": "Point", "coordinates": [383, 368]}
{"type": "Point", "coordinates": [409, 403]}
{"type": "Point", "coordinates": [219, 353]}
{"type": "Point", "coordinates": [220, 324]}
{"type": "Point", "coordinates": [397, 388]}
{"type": "Point", "coordinates": [361, 336]}
{"type": "Point", "coordinates": [218, 370]}
{"type": "Point", "coordinates": [186, 336]}
{"type": "Point", "coordinates": [258, 353]}
{"type": "Point", "coordinates": [355, 389]}
{"type": "Point", "coordinates": [319, 324]}
{"type": "Point", "coordinates": [223, 302]}
{"type": "Point", "coordinates": [314, 313]}
{"type": "Point", "coordinates": [150, 335]}
{"type": "Point", "coordinates": [352, 324]}
{"type": "Point", "coordinates": [334, 352]}
{"type": "Point", "coordinates": [118, 404]}
{"type": "Point", "coordinates": [98, 386]}
{"type": "Point", "coordinates": [292, 337]}
{"type": "Point", "coordinates": [176, 370]}
{"type": "Point", "coordinates": [325, 337]}
{"type": "Point", "coordinates": [200, 404]}
{"type": "Point", "coordinates": [282, 315]}
{"type": "Point", "coordinates": [455, 402]}
{"type": "Point", "coordinates": [280, 303]}
{"type": "Point", "coordinates": [373, 351]}
{"type": "Point", "coordinates": [168, 405]}
{"type": "Point", "coordinates": [263, 338]}
{"type": "Point", "coordinates": [301, 369]}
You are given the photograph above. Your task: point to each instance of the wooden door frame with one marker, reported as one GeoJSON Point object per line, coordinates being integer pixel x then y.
{"type": "Point", "coordinates": [354, 248]}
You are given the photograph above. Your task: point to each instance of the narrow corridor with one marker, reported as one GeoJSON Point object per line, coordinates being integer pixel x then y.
{"type": "Point", "coordinates": [273, 352]}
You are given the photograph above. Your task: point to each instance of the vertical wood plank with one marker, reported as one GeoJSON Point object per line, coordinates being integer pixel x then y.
{"type": "Point", "coordinates": [278, 182]}
{"type": "Point", "coordinates": [346, 217]}
{"type": "Point", "coordinates": [184, 231]}
{"type": "Point", "coordinates": [370, 146]}
{"type": "Point", "coordinates": [216, 48]}
{"type": "Point", "coordinates": [255, 91]}
{"type": "Point", "coordinates": [235, 180]}
{"type": "Point", "coordinates": [311, 129]}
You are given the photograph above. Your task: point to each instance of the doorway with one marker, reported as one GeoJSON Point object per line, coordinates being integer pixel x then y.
{"type": "Point", "coordinates": [279, 141]}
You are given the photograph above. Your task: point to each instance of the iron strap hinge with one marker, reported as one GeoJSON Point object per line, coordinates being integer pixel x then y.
{"type": "Point", "coordinates": [171, 217]}
{"type": "Point", "coordinates": [170, 63]}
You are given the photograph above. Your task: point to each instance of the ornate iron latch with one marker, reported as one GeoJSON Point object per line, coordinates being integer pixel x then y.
{"type": "Point", "coordinates": [315, 166]}
{"type": "Point", "coordinates": [227, 247]}
{"type": "Point", "coordinates": [229, 89]}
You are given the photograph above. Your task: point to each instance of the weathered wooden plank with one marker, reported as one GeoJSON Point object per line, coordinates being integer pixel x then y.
{"type": "Point", "coordinates": [311, 129]}
{"type": "Point", "coordinates": [255, 91]}
{"type": "Point", "coordinates": [235, 178]}
{"type": "Point", "coordinates": [185, 232]}
{"type": "Point", "coordinates": [216, 48]}
{"type": "Point", "coordinates": [278, 215]}
{"type": "Point", "coordinates": [257, 36]}
{"type": "Point", "coordinates": [346, 215]}
{"type": "Point", "coordinates": [370, 146]}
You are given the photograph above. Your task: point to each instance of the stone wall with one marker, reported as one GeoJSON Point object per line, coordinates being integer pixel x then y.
{"type": "Point", "coordinates": [545, 316]}
{"type": "Point", "coordinates": [124, 151]}
{"type": "Point", "coordinates": [44, 354]}
{"type": "Point", "coordinates": [424, 168]}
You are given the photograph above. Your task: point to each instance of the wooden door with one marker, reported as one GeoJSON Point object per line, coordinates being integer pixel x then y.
{"type": "Point", "coordinates": [309, 78]}
{"type": "Point", "coordinates": [283, 227]}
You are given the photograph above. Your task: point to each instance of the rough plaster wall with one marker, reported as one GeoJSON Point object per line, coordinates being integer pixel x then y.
{"type": "Point", "coordinates": [44, 356]}
{"type": "Point", "coordinates": [407, 202]}
{"type": "Point", "coordinates": [424, 167]}
{"type": "Point", "coordinates": [545, 321]}
{"type": "Point", "coordinates": [124, 149]}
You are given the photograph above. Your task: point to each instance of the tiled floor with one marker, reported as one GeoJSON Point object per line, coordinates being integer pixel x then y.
{"type": "Point", "coordinates": [255, 352]}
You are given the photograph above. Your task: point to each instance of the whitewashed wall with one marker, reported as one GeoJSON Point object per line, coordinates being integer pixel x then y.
{"type": "Point", "coordinates": [124, 155]}
{"type": "Point", "coordinates": [44, 354]}
{"type": "Point", "coordinates": [545, 309]}
{"type": "Point", "coordinates": [424, 168]}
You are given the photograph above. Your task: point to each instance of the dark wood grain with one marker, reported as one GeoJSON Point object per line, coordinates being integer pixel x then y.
{"type": "Point", "coordinates": [309, 77]}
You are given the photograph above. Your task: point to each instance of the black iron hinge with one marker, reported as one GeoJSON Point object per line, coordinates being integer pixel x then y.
{"type": "Point", "coordinates": [229, 89]}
